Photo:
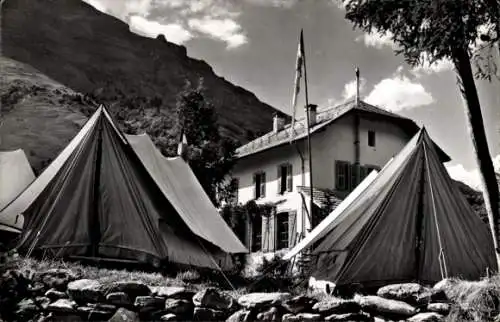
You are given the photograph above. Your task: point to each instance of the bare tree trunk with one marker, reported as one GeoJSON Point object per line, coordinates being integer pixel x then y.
{"type": "Point", "coordinates": [478, 135]}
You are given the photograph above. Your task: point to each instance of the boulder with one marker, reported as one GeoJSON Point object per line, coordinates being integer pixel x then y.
{"type": "Point", "coordinates": [385, 307]}
{"type": "Point", "coordinates": [240, 316]}
{"type": "Point", "coordinates": [62, 306]}
{"type": "Point", "coordinates": [360, 316]}
{"type": "Point", "coordinates": [119, 299]}
{"type": "Point", "coordinates": [406, 292]}
{"type": "Point", "coordinates": [26, 309]}
{"type": "Point", "coordinates": [426, 317]}
{"type": "Point", "coordinates": [132, 288]}
{"type": "Point", "coordinates": [54, 294]}
{"type": "Point", "coordinates": [124, 315]}
{"type": "Point", "coordinates": [207, 314]}
{"type": "Point", "coordinates": [258, 300]}
{"type": "Point", "coordinates": [85, 290]}
{"type": "Point", "coordinates": [149, 303]}
{"type": "Point", "coordinates": [299, 304]}
{"type": "Point", "coordinates": [333, 305]}
{"type": "Point", "coordinates": [37, 288]}
{"type": "Point", "coordinates": [63, 317]}
{"type": "Point", "coordinates": [179, 307]}
{"type": "Point", "coordinates": [174, 292]}
{"type": "Point", "coordinates": [213, 299]}
{"type": "Point", "coordinates": [271, 314]}
{"type": "Point", "coordinates": [441, 308]}
{"type": "Point", "coordinates": [301, 317]}
{"type": "Point", "coordinates": [95, 313]}
{"type": "Point", "coordinates": [42, 301]}
{"type": "Point", "coordinates": [169, 317]}
{"type": "Point", "coordinates": [57, 278]}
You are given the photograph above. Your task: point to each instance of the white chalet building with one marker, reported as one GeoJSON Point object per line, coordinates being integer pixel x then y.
{"type": "Point", "coordinates": [348, 141]}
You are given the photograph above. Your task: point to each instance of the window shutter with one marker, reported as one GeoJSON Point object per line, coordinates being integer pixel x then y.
{"type": "Point", "coordinates": [363, 173]}
{"type": "Point", "coordinates": [337, 175]}
{"type": "Point", "coordinates": [254, 186]}
{"type": "Point", "coordinates": [348, 175]}
{"type": "Point", "coordinates": [292, 228]}
{"type": "Point", "coordinates": [289, 179]}
{"type": "Point", "coordinates": [279, 179]}
{"type": "Point", "coordinates": [263, 184]}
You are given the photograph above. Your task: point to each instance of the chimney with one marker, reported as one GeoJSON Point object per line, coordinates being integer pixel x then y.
{"type": "Point", "coordinates": [357, 85]}
{"type": "Point", "coordinates": [312, 114]}
{"type": "Point", "coordinates": [278, 122]}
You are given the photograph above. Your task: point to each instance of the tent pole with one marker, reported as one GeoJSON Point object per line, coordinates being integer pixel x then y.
{"type": "Point", "coordinates": [95, 232]}
{"type": "Point", "coordinates": [419, 221]}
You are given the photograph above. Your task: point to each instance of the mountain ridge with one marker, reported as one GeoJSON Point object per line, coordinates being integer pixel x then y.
{"type": "Point", "coordinates": [97, 54]}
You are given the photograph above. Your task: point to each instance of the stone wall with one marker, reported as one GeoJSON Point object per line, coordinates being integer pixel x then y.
{"type": "Point", "coordinates": [61, 295]}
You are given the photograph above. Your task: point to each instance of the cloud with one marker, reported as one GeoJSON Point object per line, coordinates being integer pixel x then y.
{"type": "Point", "coordinates": [350, 88]}
{"type": "Point", "coordinates": [470, 177]}
{"type": "Point", "coordinates": [398, 93]}
{"type": "Point", "coordinates": [173, 32]}
{"type": "Point", "coordinates": [97, 4]}
{"type": "Point", "coordinates": [426, 68]}
{"type": "Point", "coordinates": [138, 7]}
{"type": "Point", "coordinates": [287, 4]}
{"type": "Point", "coordinates": [378, 40]}
{"type": "Point", "coordinates": [226, 30]}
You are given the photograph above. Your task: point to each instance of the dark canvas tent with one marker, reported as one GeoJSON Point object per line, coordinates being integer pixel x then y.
{"type": "Point", "coordinates": [15, 175]}
{"type": "Point", "coordinates": [113, 196]}
{"type": "Point", "coordinates": [411, 202]}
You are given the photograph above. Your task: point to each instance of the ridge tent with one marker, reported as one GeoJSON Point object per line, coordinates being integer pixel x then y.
{"type": "Point", "coordinates": [15, 175]}
{"type": "Point", "coordinates": [114, 196]}
{"type": "Point", "coordinates": [372, 239]}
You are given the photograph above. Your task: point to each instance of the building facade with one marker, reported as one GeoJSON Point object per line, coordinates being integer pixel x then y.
{"type": "Point", "coordinates": [347, 143]}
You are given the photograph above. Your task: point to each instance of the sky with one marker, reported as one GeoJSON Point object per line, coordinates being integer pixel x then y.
{"type": "Point", "coordinates": [253, 43]}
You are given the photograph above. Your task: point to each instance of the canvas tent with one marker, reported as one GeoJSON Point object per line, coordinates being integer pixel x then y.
{"type": "Point", "coordinates": [15, 175]}
{"type": "Point", "coordinates": [112, 196]}
{"type": "Point", "coordinates": [372, 239]}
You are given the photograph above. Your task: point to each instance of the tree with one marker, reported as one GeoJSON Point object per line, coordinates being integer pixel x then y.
{"type": "Point", "coordinates": [210, 155]}
{"type": "Point", "coordinates": [440, 29]}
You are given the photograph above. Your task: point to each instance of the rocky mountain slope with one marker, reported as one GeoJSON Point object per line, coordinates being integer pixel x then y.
{"type": "Point", "coordinates": [94, 53]}
{"type": "Point", "coordinates": [37, 114]}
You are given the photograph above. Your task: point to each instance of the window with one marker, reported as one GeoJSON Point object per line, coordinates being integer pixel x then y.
{"type": "Point", "coordinates": [259, 180]}
{"type": "Point", "coordinates": [342, 175]}
{"type": "Point", "coordinates": [256, 234]}
{"type": "Point", "coordinates": [285, 178]}
{"type": "Point", "coordinates": [236, 186]}
{"type": "Point", "coordinates": [282, 230]}
{"type": "Point", "coordinates": [371, 138]}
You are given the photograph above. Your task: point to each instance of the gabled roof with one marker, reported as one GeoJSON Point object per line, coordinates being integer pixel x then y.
{"type": "Point", "coordinates": [324, 118]}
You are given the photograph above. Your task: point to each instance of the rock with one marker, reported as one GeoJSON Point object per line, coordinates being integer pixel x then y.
{"type": "Point", "coordinates": [119, 299]}
{"type": "Point", "coordinates": [42, 301]}
{"type": "Point", "coordinates": [95, 313]}
{"type": "Point", "coordinates": [301, 317]}
{"type": "Point", "coordinates": [174, 292]}
{"type": "Point", "coordinates": [26, 309]}
{"type": "Point", "coordinates": [335, 305]}
{"type": "Point", "coordinates": [85, 290]}
{"type": "Point", "coordinates": [124, 315]}
{"type": "Point", "coordinates": [299, 304]}
{"type": "Point", "coordinates": [169, 317]}
{"type": "Point", "coordinates": [149, 304]}
{"type": "Point", "coordinates": [441, 308]}
{"type": "Point", "coordinates": [213, 299]}
{"type": "Point", "coordinates": [179, 307]}
{"type": "Point", "coordinates": [360, 316]}
{"type": "Point", "coordinates": [240, 316]}
{"type": "Point", "coordinates": [406, 292]}
{"type": "Point", "coordinates": [206, 314]}
{"type": "Point", "coordinates": [57, 278]}
{"type": "Point", "coordinates": [54, 294]}
{"type": "Point", "coordinates": [426, 317]}
{"type": "Point", "coordinates": [385, 307]}
{"type": "Point", "coordinates": [63, 318]}
{"type": "Point", "coordinates": [257, 300]}
{"type": "Point", "coordinates": [271, 314]}
{"type": "Point", "coordinates": [62, 306]}
{"type": "Point", "coordinates": [131, 288]}
{"type": "Point", "coordinates": [445, 284]}
{"type": "Point", "coordinates": [36, 288]}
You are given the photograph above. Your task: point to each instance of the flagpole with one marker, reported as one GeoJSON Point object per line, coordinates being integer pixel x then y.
{"type": "Point", "coordinates": [308, 140]}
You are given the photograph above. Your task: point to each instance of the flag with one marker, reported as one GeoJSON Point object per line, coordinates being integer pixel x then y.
{"type": "Point", "coordinates": [298, 75]}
